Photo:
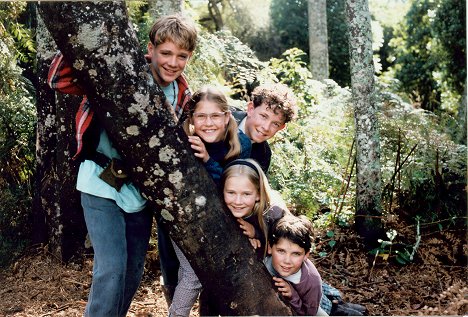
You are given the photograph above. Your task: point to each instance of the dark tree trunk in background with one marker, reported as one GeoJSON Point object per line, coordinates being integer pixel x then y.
{"type": "Point", "coordinates": [46, 138]}
{"type": "Point", "coordinates": [98, 40]}
{"type": "Point", "coordinates": [215, 13]}
{"type": "Point", "coordinates": [368, 183]}
{"type": "Point", "coordinates": [73, 228]}
{"type": "Point", "coordinates": [58, 217]}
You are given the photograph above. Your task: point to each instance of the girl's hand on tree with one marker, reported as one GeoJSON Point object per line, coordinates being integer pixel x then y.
{"type": "Point", "coordinates": [199, 148]}
{"type": "Point", "coordinates": [247, 228]}
{"type": "Point", "coordinates": [255, 243]}
{"type": "Point", "coordinates": [283, 287]}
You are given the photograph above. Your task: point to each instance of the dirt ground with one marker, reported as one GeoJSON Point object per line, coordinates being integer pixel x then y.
{"type": "Point", "coordinates": [435, 283]}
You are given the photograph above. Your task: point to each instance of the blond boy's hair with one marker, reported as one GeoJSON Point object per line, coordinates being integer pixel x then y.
{"type": "Point", "coordinates": [174, 28]}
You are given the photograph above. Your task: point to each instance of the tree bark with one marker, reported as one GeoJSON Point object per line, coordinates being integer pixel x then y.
{"type": "Point", "coordinates": [318, 38]}
{"type": "Point", "coordinates": [159, 8]}
{"type": "Point", "coordinates": [46, 139]}
{"type": "Point", "coordinates": [215, 14]}
{"type": "Point", "coordinates": [368, 199]}
{"type": "Point", "coordinates": [57, 210]}
{"type": "Point", "coordinates": [98, 40]}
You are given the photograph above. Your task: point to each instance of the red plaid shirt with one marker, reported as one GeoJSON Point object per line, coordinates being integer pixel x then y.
{"type": "Point", "coordinates": [60, 78]}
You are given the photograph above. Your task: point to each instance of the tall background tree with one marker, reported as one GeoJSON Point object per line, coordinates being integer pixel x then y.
{"type": "Point", "coordinates": [290, 22]}
{"type": "Point", "coordinates": [158, 8]}
{"type": "Point", "coordinates": [318, 38]}
{"type": "Point", "coordinates": [368, 176]}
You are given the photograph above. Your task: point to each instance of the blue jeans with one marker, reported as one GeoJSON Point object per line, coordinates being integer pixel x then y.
{"type": "Point", "coordinates": [120, 241]}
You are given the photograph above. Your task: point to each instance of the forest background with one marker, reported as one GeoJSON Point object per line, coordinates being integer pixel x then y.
{"type": "Point", "coordinates": [420, 64]}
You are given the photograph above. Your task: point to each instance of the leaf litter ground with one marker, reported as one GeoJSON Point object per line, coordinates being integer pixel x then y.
{"type": "Point", "coordinates": [435, 283]}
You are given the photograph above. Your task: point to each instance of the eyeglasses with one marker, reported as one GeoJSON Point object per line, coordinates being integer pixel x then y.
{"type": "Point", "coordinates": [216, 117]}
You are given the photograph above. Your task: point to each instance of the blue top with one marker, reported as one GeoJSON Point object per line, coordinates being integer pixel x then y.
{"type": "Point", "coordinates": [218, 151]}
{"type": "Point", "coordinates": [128, 197]}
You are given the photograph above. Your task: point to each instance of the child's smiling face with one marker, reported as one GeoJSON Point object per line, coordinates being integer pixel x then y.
{"type": "Point", "coordinates": [209, 122]}
{"type": "Point", "coordinates": [240, 195]}
{"type": "Point", "coordinates": [287, 257]}
{"type": "Point", "coordinates": [168, 61]}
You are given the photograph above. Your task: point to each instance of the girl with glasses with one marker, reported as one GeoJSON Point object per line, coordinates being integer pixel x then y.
{"type": "Point", "coordinates": [213, 133]}
{"type": "Point", "coordinates": [215, 140]}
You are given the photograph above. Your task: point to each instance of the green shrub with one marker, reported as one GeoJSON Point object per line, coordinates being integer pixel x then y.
{"type": "Point", "coordinates": [17, 140]}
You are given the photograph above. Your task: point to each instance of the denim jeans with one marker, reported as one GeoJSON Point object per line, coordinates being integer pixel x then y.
{"type": "Point", "coordinates": [120, 241]}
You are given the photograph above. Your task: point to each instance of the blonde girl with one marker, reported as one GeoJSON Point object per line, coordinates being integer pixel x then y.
{"type": "Point", "coordinates": [249, 197]}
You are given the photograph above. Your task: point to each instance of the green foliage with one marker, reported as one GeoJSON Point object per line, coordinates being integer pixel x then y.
{"type": "Point", "coordinates": [17, 144]}
{"type": "Point", "coordinates": [222, 59]}
{"type": "Point", "coordinates": [429, 47]}
{"type": "Point", "coordinates": [141, 21]}
{"type": "Point", "coordinates": [15, 222]}
{"type": "Point", "coordinates": [415, 56]}
{"type": "Point", "coordinates": [388, 249]}
{"type": "Point", "coordinates": [20, 38]}
{"type": "Point", "coordinates": [311, 152]}
{"type": "Point", "coordinates": [432, 180]}
{"type": "Point", "coordinates": [449, 27]}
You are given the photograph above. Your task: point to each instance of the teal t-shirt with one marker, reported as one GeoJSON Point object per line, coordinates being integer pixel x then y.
{"type": "Point", "coordinates": [129, 197]}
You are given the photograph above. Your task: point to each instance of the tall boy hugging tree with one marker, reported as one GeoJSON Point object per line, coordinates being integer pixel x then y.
{"type": "Point", "coordinates": [116, 215]}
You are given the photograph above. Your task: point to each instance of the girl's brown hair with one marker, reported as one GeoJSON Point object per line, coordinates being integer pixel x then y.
{"type": "Point", "coordinates": [216, 96]}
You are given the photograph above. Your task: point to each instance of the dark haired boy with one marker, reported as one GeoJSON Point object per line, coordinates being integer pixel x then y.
{"type": "Point", "coordinates": [294, 275]}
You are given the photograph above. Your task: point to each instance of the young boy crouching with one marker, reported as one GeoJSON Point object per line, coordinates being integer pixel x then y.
{"type": "Point", "coordinates": [295, 276]}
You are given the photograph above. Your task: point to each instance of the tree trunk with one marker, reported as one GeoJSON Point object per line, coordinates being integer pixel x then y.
{"type": "Point", "coordinates": [46, 139]}
{"type": "Point", "coordinates": [368, 200]}
{"type": "Point", "coordinates": [462, 116]}
{"type": "Point", "coordinates": [215, 14]}
{"type": "Point", "coordinates": [57, 210]}
{"type": "Point", "coordinates": [318, 38]}
{"type": "Point", "coordinates": [159, 8]}
{"type": "Point", "coordinates": [98, 40]}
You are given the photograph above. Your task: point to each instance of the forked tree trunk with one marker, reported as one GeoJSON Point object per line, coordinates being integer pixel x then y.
{"type": "Point", "coordinates": [368, 187]}
{"type": "Point", "coordinates": [97, 38]}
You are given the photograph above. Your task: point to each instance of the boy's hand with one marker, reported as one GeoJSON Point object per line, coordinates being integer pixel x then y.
{"type": "Point", "coordinates": [255, 243]}
{"type": "Point", "coordinates": [283, 287]}
{"type": "Point", "coordinates": [247, 228]}
{"type": "Point", "coordinates": [199, 147]}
